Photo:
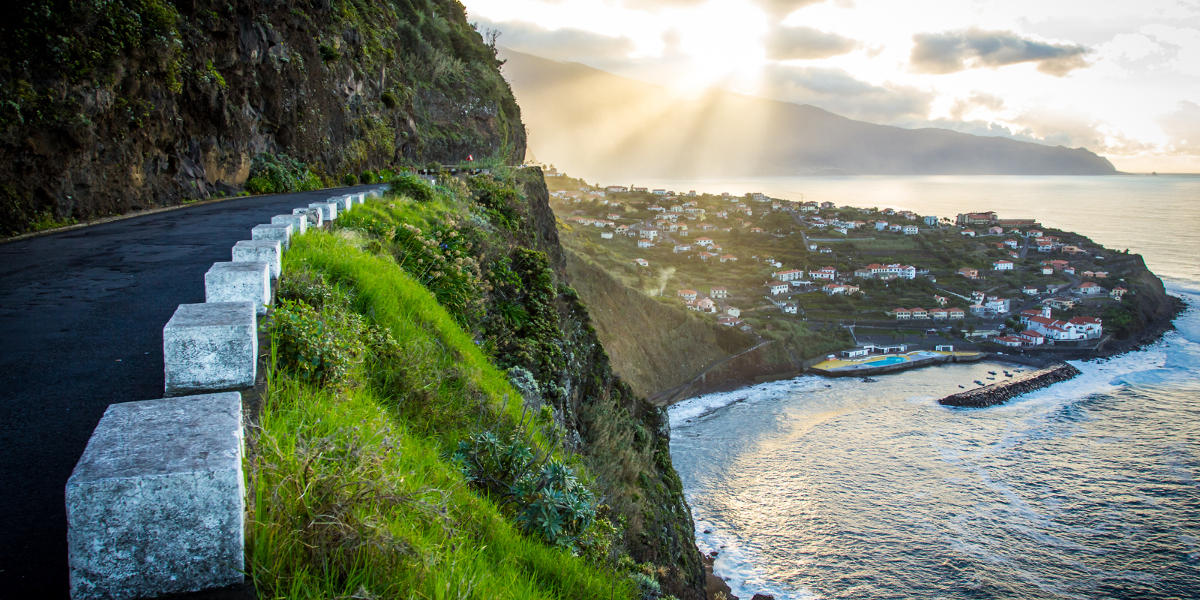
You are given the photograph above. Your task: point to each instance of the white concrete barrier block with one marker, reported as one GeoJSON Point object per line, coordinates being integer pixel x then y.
{"type": "Point", "coordinates": [210, 347]}
{"type": "Point", "coordinates": [361, 198]}
{"type": "Point", "coordinates": [282, 233]}
{"type": "Point", "coordinates": [156, 504]}
{"type": "Point", "coordinates": [268, 251]}
{"type": "Point", "coordinates": [299, 223]}
{"type": "Point", "coordinates": [313, 214]}
{"type": "Point", "coordinates": [246, 281]}
{"type": "Point", "coordinates": [344, 203]}
{"type": "Point", "coordinates": [328, 210]}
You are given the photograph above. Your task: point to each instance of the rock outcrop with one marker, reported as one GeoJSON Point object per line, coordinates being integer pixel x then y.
{"type": "Point", "coordinates": [118, 106]}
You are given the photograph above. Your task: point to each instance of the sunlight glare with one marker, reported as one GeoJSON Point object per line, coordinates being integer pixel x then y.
{"type": "Point", "coordinates": [722, 44]}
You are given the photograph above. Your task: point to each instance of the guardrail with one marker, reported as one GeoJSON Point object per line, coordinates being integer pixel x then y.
{"type": "Point", "coordinates": [156, 504]}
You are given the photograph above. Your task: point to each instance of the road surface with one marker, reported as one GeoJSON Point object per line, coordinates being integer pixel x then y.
{"type": "Point", "coordinates": [81, 318]}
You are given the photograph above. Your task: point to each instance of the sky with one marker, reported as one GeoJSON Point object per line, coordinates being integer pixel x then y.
{"type": "Point", "coordinates": [1119, 77]}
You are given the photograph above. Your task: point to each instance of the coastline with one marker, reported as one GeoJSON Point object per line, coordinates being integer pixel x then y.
{"type": "Point", "coordinates": [768, 373]}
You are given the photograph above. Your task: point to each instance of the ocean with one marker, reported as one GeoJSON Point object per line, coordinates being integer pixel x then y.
{"type": "Point", "coordinates": [818, 488]}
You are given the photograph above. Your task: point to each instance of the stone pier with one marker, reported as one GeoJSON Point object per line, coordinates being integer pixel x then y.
{"type": "Point", "coordinates": [299, 223]}
{"type": "Point", "coordinates": [268, 251]}
{"type": "Point", "coordinates": [210, 347]}
{"type": "Point", "coordinates": [246, 281]}
{"type": "Point", "coordinates": [280, 233]}
{"type": "Point", "coordinates": [156, 505]}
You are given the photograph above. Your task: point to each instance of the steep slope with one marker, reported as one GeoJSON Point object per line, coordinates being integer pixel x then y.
{"type": "Point", "coordinates": [629, 128]}
{"type": "Point", "coordinates": [652, 345]}
{"type": "Point", "coordinates": [491, 342]}
{"type": "Point", "coordinates": [107, 107]}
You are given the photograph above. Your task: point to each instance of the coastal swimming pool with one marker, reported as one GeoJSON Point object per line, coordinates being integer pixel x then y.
{"type": "Point", "coordinates": [887, 360]}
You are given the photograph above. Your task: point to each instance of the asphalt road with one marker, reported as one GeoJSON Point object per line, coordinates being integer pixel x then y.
{"type": "Point", "coordinates": [81, 318]}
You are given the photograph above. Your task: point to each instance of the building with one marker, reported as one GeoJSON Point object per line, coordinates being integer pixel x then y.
{"type": "Point", "coordinates": [1118, 293]}
{"type": "Point", "coordinates": [902, 313]}
{"type": "Point", "coordinates": [718, 292]}
{"type": "Point", "coordinates": [930, 221]}
{"type": "Point", "coordinates": [687, 294]}
{"type": "Point", "coordinates": [1089, 288]}
{"type": "Point", "coordinates": [825, 273]}
{"type": "Point", "coordinates": [645, 243]}
{"type": "Point", "coordinates": [777, 288]}
{"type": "Point", "coordinates": [703, 241]}
{"type": "Point", "coordinates": [641, 262]}
{"type": "Point", "coordinates": [727, 258]}
{"type": "Point", "coordinates": [980, 218]}
{"type": "Point", "coordinates": [911, 230]}
{"type": "Point", "coordinates": [969, 273]}
{"type": "Point", "coordinates": [790, 308]}
{"type": "Point", "coordinates": [957, 313]}
{"type": "Point", "coordinates": [1003, 265]}
{"type": "Point", "coordinates": [788, 275]}
{"type": "Point", "coordinates": [649, 233]}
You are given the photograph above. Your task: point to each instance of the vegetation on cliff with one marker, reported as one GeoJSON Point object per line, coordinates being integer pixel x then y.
{"type": "Point", "coordinates": [108, 107]}
{"type": "Point", "coordinates": [442, 421]}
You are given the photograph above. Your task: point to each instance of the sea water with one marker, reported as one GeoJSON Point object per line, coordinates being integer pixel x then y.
{"type": "Point", "coordinates": [840, 488]}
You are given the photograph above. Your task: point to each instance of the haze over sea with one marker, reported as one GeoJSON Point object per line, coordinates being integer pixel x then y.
{"type": "Point", "coordinates": [850, 489]}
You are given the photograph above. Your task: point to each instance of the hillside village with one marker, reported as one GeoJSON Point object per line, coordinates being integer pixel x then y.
{"type": "Point", "coordinates": [880, 275]}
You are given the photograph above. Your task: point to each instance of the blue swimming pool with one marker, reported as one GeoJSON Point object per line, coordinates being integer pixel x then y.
{"type": "Point", "coordinates": [887, 360]}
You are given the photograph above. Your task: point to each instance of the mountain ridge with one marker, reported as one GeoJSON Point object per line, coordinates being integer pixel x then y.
{"type": "Point", "coordinates": [603, 125]}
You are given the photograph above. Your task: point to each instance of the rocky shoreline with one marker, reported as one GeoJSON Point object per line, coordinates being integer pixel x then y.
{"type": "Point", "coordinates": [1003, 391]}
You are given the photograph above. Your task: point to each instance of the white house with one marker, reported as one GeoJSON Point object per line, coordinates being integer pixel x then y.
{"type": "Point", "coordinates": [687, 294]}
{"type": "Point", "coordinates": [911, 230]}
{"type": "Point", "coordinates": [1089, 288]}
{"type": "Point", "coordinates": [718, 292]}
{"type": "Point", "coordinates": [788, 275]}
{"type": "Point", "coordinates": [826, 273]}
{"type": "Point", "coordinates": [1003, 265]}
{"type": "Point", "coordinates": [606, 235]}
{"type": "Point", "coordinates": [645, 243]}
{"type": "Point", "coordinates": [778, 287]}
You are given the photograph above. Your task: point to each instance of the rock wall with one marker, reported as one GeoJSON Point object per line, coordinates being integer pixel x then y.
{"type": "Point", "coordinates": [111, 107]}
{"type": "Point", "coordinates": [1005, 390]}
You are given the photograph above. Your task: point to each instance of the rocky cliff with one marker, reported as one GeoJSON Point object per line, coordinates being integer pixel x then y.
{"type": "Point", "coordinates": [108, 107]}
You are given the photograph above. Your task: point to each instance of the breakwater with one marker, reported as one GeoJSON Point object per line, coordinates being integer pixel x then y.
{"type": "Point", "coordinates": [1002, 391]}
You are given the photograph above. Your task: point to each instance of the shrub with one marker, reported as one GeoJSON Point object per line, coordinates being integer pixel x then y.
{"type": "Point", "coordinates": [367, 177]}
{"type": "Point", "coordinates": [411, 186]}
{"type": "Point", "coordinates": [328, 53]}
{"type": "Point", "coordinates": [545, 497]}
{"type": "Point", "coordinates": [275, 174]}
{"type": "Point", "coordinates": [349, 179]}
{"type": "Point", "coordinates": [442, 261]}
{"type": "Point", "coordinates": [321, 347]}
{"type": "Point", "coordinates": [389, 99]}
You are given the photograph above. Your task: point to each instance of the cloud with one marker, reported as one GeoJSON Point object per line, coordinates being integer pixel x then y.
{"type": "Point", "coordinates": [791, 43]}
{"type": "Point", "coordinates": [963, 106]}
{"type": "Point", "coordinates": [837, 91]}
{"type": "Point", "coordinates": [959, 50]}
{"type": "Point", "coordinates": [779, 8]}
{"type": "Point", "coordinates": [1182, 127]}
{"type": "Point", "coordinates": [559, 44]}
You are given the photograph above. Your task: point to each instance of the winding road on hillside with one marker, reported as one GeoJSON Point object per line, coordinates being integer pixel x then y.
{"type": "Point", "coordinates": [81, 318]}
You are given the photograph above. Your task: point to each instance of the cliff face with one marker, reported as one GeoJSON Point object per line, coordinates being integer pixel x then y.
{"type": "Point", "coordinates": [625, 439]}
{"type": "Point", "coordinates": [112, 107]}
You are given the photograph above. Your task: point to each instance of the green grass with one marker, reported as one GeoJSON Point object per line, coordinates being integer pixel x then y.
{"type": "Point", "coordinates": [353, 492]}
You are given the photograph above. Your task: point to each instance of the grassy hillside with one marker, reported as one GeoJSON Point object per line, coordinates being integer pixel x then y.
{"type": "Point", "coordinates": [108, 107]}
{"type": "Point", "coordinates": [442, 421]}
{"type": "Point", "coordinates": [654, 345]}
